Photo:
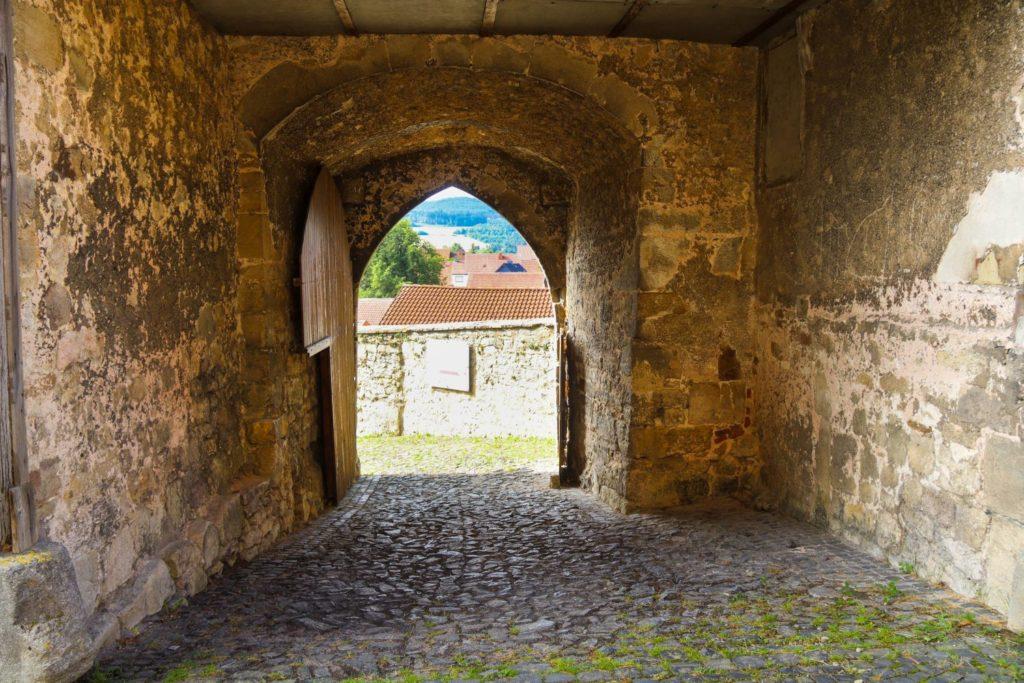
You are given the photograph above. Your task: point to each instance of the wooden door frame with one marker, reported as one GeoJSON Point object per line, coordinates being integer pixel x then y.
{"type": "Point", "coordinates": [18, 497]}
{"type": "Point", "coordinates": [329, 464]}
{"type": "Point", "coordinates": [567, 474]}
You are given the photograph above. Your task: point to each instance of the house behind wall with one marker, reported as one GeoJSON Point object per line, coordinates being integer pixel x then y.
{"type": "Point", "coordinates": [810, 305]}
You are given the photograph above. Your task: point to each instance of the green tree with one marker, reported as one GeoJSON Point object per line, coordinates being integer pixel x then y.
{"type": "Point", "coordinates": [402, 257]}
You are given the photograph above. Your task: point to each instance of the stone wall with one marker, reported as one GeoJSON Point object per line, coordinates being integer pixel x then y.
{"type": "Point", "coordinates": [279, 407]}
{"type": "Point", "coordinates": [143, 464]}
{"type": "Point", "coordinates": [693, 359]}
{"type": "Point", "coordinates": [656, 140]}
{"type": "Point", "coordinates": [513, 380]}
{"type": "Point", "coordinates": [889, 382]}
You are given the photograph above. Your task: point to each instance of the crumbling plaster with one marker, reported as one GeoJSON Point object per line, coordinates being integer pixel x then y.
{"type": "Point", "coordinates": [128, 207]}
{"type": "Point", "coordinates": [889, 376]}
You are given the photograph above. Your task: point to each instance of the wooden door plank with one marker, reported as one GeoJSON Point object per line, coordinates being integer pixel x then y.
{"type": "Point", "coordinates": [17, 505]}
{"type": "Point", "coordinates": [328, 313]}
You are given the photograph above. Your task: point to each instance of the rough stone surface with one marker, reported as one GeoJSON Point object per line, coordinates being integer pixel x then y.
{"type": "Point", "coordinates": [511, 365]}
{"type": "Point", "coordinates": [137, 384]}
{"type": "Point", "coordinates": [43, 635]}
{"type": "Point", "coordinates": [533, 196]}
{"type": "Point", "coordinates": [495, 576]}
{"type": "Point", "coordinates": [850, 351]}
{"type": "Point", "coordinates": [1015, 617]}
{"type": "Point", "coordinates": [888, 396]}
{"type": "Point", "coordinates": [605, 118]}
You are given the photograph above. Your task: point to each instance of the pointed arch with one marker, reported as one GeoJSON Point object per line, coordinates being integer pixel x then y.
{"type": "Point", "coordinates": [534, 198]}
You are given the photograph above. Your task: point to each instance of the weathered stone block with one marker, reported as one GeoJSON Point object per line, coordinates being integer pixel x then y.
{"type": "Point", "coordinates": [252, 197]}
{"type": "Point", "coordinates": [728, 257]}
{"type": "Point", "coordinates": [1003, 473]}
{"type": "Point", "coordinates": [263, 432]}
{"type": "Point", "coordinates": [843, 463]}
{"type": "Point", "coordinates": [659, 442]}
{"type": "Point", "coordinates": [452, 51]}
{"type": "Point", "coordinates": [897, 443]}
{"type": "Point", "coordinates": [43, 635]}
{"type": "Point", "coordinates": [715, 403]}
{"type": "Point", "coordinates": [252, 236]}
{"type": "Point", "coordinates": [971, 526]}
{"type": "Point", "coordinates": [1003, 555]}
{"type": "Point", "coordinates": [661, 259]}
{"type": "Point", "coordinates": [185, 564]}
{"type": "Point", "coordinates": [227, 517]}
{"type": "Point", "coordinates": [1015, 613]}
{"type": "Point", "coordinates": [407, 52]}
{"type": "Point", "coordinates": [978, 408]}
{"type": "Point", "coordinates": [205, 537]}
{"type": "Point", "coordinates": [146, 595]}
{"type": "Point", "coordinates": [38, 36]}
{"type": "Point", "coordinates": [490, 54]}
{"type": "Point", "coordinates": [921, 455]}
{"type": "Point", "coordinates": [940, 508]}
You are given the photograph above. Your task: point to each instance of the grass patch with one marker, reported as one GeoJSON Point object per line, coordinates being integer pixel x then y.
{"type": "Point", "coordinates": [566, 665]}
{"type": "Point", "coordinates": [423, 454]}
{"type": "Point", "coordinates": [178, 673]}
{"type": "Point", "coordinates": [891, 593]}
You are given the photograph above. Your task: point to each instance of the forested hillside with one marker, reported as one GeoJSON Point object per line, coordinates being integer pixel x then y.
{"type": "Point", "coordinates": [473, 217]}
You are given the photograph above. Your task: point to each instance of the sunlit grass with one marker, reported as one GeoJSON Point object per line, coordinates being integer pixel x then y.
{"type": "Point", "coordinates": [422, 454]}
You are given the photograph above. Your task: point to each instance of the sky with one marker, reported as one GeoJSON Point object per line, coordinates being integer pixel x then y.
{"type": "Point", "coordinates": [448, 193]}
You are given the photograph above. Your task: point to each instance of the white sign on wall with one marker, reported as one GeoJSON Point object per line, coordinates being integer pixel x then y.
{"type": "Point", "coordinates": [447, 364]}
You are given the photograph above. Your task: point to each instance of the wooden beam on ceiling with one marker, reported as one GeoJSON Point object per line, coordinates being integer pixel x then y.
{"type": "Point", "coordinates": [627, 18]}
{"type": "Point", "coordinates": [346, 17]}
{"type": "Point", "coordinates": [788, 11]}
{"type": "Point", "coordinates": [490, 15]}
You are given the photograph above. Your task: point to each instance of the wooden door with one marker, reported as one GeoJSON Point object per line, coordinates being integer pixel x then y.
{"type": "Point", "coordinates": [18, 526]}
{"type": "Point", "coordinates": [328, 319]}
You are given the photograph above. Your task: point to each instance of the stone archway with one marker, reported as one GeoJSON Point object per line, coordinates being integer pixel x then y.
{"type": "Point", "coordinates": [534, 197]}
{"type": "Point", "coordinates": [512, 125]}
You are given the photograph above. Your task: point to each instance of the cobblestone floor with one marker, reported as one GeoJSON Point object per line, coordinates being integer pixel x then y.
{"type": "Point", "coordinates": [492, 575]}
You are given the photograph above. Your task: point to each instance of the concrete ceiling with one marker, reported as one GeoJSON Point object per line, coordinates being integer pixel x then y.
{"type": "Point", "coordinates": [709, 21]}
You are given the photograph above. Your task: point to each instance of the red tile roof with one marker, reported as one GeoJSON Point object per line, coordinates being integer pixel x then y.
{"type": "Point", "coordinates": [370, 311]}
{"type": "Point", "coordinates": [527, 280]}
{"type": "Point", "coordinates": [524, 252]}
{"type": "Point", "coordinates": [429, 304]}
{"type": "Point", "coordinates": [480, 263]}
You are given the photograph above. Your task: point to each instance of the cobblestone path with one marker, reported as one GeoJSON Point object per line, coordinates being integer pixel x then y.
{"type": "Point", "coordinates": [495, 576]}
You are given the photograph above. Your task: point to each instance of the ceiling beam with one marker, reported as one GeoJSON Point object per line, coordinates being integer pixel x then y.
{"type": "Point", "coordinates": [346, 17]}
{"type": "Point", "coordinates": [785, 13]}
{"type": "Point", "coordinates": [627, 18]}
{"type": "Point", "coordinates": [490, 15]}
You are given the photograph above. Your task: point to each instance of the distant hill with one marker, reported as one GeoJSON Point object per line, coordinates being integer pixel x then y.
{"type": "Point", "coordinates": [472, 217]}
{"type": "Point", "coordinates": [498, 237]}
{"type": "Point", "coordinates": [460, 212]}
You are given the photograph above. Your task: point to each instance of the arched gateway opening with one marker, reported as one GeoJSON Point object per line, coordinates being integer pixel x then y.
{"type": "Point", "coordinates": [458, 363]}
{"type": "Point", "coordinates": [559, 167]}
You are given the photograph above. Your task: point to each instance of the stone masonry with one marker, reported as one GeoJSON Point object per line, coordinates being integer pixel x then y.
{"type": "Point", "coordinates": [889, 383]}
{"type": "Point", "coordinates": [790, 276]}
{"type": "Point", "coordinates": [513, 364]}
